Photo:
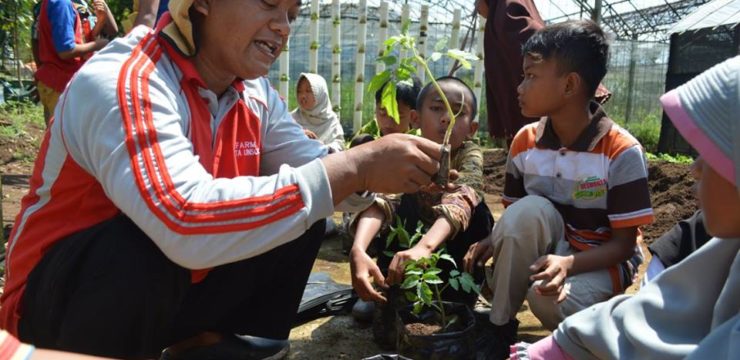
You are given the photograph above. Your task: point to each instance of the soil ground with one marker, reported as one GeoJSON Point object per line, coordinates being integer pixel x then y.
{"type": "Point", "coordinates": [340, 337]}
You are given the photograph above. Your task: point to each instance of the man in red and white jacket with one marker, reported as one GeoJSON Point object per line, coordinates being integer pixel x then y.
{"type": "Point", "coordinates": [175, 199]}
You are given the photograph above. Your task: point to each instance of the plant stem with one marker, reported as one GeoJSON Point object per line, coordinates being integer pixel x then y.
{"type": "Point", "coordinates": [441, 307]}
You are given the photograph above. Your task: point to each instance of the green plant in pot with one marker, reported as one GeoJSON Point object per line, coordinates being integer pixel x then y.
{"type": "Point", "coordinates": [426, 326]}
{"type": "Point", "coordinates": [401, 68]}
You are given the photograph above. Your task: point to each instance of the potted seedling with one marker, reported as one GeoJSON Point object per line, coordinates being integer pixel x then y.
{"type": "Point", "coordinates": [401, 68]}
{"type": "Point", "coordinates": [428, 327]}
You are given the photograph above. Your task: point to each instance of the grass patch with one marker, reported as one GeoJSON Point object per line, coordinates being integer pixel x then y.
{"type": "Point", "coordinates": [15, 117]}
{"type": "Point", "coordinates": [675, 159]}
{"type": "Point", "coordinates": [647, 131]}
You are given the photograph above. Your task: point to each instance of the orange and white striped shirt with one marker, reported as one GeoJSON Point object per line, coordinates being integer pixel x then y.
{"type": "Point", "coordinates": [597, 184]}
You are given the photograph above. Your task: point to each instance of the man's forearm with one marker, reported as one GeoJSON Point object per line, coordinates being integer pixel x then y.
{"type": "Point", "coordinates": [343, 175]}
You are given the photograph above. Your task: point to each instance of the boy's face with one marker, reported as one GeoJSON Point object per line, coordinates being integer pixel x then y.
{"type": "Point", "coordinates": [387, 125]}
{"type": "Point", "coordinates": [542, 89]}
{"type": "Point", "coordinates": [720, 201]}
{"type": "Point", "coordinates": [305, 96]}
{"type": "Point", "coordinates": [433, 116]}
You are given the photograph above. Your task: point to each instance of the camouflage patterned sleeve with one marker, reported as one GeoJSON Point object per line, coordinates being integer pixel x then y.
{"type": "Point", "coordinates": [468, 161]}
{"type": "Point", "coordinates": [388, 203]}
{"type": "Point", "coordinates": [457, 207]}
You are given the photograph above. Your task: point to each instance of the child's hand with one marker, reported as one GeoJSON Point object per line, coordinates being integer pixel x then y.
{"type": "Point", "coordinates": [310, 134]}
{"type": "Point", "coordinates": [398, 264]}
{"type": "Point", "coordinates": [554, 270]}
{"type": "Point", "coordinates": [477, 255]}
{"type": "Point", "coordinates": [362, 268]}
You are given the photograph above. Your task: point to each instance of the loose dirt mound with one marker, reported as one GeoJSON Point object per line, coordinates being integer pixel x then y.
{"type": "Point", "coordinates": [670, 190]}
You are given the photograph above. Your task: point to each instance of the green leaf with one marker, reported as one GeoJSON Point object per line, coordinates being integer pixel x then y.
{"type": "Point", "coordinates": [389, 103]}
{"type": "Point", "coordinates": [425, 293]}
{"type": "Point", "coordinates": [454, 273]}
{"type": "Point", "coordinates": [462, 56]}
{"type": "Point", "coordinates": [389, 254]}
{"type": "Point", "coordinates": [410, 282]}
{"type": "Point", "coordinates": [418, 307]}
{"type": "Point", "coordinates": [435, 56]}
{"type": "Point", "coordinates": [413, 271]}
{"type": "Point", "coordinates": [467, 278]}
{"type": "Point", "coordinates": [441, 44]}
{"type": "Point", "coordinates": [378, 81]}
{"type": "Point", "coordinates": [410, 296]}
{"type": "Point", "coordinates": [467, 282]}
{"type": "Point", "coordinates": [434, 271]}
{"type": "Point", "coordinates": [452, 319]}
{"type": "Point", "coordinates": [388, 60]}
{"type": "Point", "coordinates": [430, 276]}
{"type": "Point", "coordinates": [448, 258]}
{"type": "Point", "coordinates": [393, 40]}
{"type": "Point", "coordinates": [455, 285]}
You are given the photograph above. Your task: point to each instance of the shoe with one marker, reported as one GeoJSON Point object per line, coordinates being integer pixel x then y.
{"type": "Point", "coordinates": [235, 347]}
{"type": "Point", "coordinates": [362, 311]}
{"type": "Point", "coordinates": [493, 342]}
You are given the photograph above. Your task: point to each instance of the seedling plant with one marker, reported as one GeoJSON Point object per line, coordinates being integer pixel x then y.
{"type": "Point", "coordinates": [401, 68]}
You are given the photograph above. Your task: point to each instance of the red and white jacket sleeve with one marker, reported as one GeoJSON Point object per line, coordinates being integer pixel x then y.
{"type": "Point", "coordinates": [149, 171]}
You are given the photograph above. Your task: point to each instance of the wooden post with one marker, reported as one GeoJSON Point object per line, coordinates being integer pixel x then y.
{"type": "Point", "coordinates": [284, 88]}
{"type": "Point", "coordinates": [336, 56]}
{"type": "Point", "coordinates": [455, 35]}
{"type": "Point", "coordinates": [405, 14]}
{"type": "Point", "coordinates": [596, 15]}
{"type": "Point", "coordinates": [421, 46]}
{"type": "Point", "coordinates": [382, 35]}
{"type": "Point", "coordinates": [478, 75]}
{"type": "Point", "coordinates": [313, 54]}
{"type": "Point", "coordinates": [631, 79]}
{"type": "Point", "coordinates": [360, 65]}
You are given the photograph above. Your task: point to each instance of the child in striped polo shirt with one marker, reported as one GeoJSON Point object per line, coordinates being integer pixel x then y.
{"type": "Point", "coordinates": [576, 191]}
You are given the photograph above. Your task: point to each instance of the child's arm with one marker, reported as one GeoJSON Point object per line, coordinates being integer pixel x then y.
{"type": "Point", "coordinates": [553, 269]}
{"type": "Point", "coordinates": [362, 267]}
{"type": "Point", "coordinates": [106, 22]}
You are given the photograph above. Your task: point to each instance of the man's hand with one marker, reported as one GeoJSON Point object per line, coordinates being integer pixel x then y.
{"type": "Point", "coordinates": [477, 255]}
{"type": "Point", "coordinates": [362, 268]}
{"type": "Point", "coordinates": [398, 265]}
{"type": "Point", "coordinates": [553, 270]}
{"type": "Point", "coordinates": [396, 163]}
{"type": "Point", "coordinates": [310, 134]}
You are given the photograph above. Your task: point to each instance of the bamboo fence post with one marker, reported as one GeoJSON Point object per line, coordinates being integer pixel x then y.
{"type": "Point", "coordinates": [336, 56]}
{"type": "Point", "coordinates": [405, 13]}
{"type": "Point", "coordinates": [360, 65]}
{"type": "Point", "coordinates": [313, 54]}
{"type": "Point", "coordinates": [478, 75]}
{"type": "Point", "coordinates": [284, 88]}
{"type": "Point", "coordinates": [421, 46]}
{"type": "Point", "coordinates": [382, 35]}
{"type": "Point", "coordinates": [455, 35]}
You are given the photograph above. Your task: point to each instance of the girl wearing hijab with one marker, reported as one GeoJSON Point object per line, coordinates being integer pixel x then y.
{"type": "Point", "coordinates": [315, 114]}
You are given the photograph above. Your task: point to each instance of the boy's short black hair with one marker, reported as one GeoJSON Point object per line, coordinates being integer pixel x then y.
{"type": "Point", "coordinates": [406, 92]}
{"type": "Point", "coordinates": [578, 46]}
{"type": "Point", "coordinates": [471, 94]}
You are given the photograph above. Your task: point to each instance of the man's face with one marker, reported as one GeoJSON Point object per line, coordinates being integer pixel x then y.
{"type": "Point", "coordinates": [434, 118]}
{"type": "Point", "coordinates": [387, 125]}
{"type": "Point", "coordinates": [305, 96]}
{"type": "Point", "coordinates": [542, 88]}
{"type": "Point", "coordinates": [243, 38]}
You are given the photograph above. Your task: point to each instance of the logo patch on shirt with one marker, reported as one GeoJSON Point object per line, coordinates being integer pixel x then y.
{"type": "Point", "coordinates": [590, 188]}
{"type": "Point", "coordinates": [246, 148]}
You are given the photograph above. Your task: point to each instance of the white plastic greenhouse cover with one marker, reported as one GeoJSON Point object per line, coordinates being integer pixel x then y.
{"type": "Point", "coordinates": [439, 10]}
{"type": "Point", "coordinates": [715, 13]}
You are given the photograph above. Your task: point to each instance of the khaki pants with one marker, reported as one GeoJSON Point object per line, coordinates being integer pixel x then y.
{"type": "Point", "coordinates": [49, 99]}
{"type": "Point", "coordinates": [528, 229]}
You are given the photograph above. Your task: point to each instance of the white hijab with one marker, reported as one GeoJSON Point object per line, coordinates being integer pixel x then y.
{"type": "Point", "coordinates": [322, 120]}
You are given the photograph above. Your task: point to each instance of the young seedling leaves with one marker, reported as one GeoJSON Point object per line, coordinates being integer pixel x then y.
{"type": "Point", "coordinates": [454, 273]}
{"type": "Point", "coordinates": [467, 280]}
{"type": "Point", "coordinates": [455, 284]}
{"type": "Point", "coordinates": [441, 44]}
{"type": "Point", "coordinates": [425, 293]}
{"type": "Point", "coordinates": [462, 57]}
{"type": "Point", "coordinates": [410, 282]}
{"type": "Point", "coordinates": [448, 258]}
{"type": "Point", "coordinates": [389, 103]}
{"type": "Point", "coordinates": [378, 81]}
{"type": "Point", "coordinates": [435, 56]}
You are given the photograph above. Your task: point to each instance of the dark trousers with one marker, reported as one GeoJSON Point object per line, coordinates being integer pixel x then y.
{"type": "Point", "coordinates": [110, 291]}
{"type": "Point", "coordinates": [481, 223]}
